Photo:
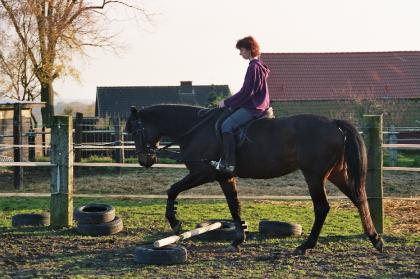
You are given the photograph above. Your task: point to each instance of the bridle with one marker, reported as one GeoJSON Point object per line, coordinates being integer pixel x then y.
{"type": "Point", "coordinates": [150, 150]}
{"type": "Point", "coordinates": [147, 148]}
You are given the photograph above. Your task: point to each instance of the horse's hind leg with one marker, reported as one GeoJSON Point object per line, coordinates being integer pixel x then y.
{"type": "Point", "coordinates": [321, 208]}
{"type": "Point", "coordinates": [339, 178]}
{"type": "Point", "coordinates": [190, 181]}
{"type": "Point", "coordinates": [229, 189]}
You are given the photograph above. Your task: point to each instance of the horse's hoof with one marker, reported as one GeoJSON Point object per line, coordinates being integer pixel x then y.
{"type": "Point", "coordinates": [176, 229]}
{"type": "Point", "coordinates": [380, 246]}
{"type": "Point", "coordinates": [299, 251]}
{"type": "Point", "coordinates": [378, 243]}
{"type": "Point", "coordinates": [233, 249]}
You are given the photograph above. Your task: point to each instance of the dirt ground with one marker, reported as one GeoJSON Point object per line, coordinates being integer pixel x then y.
{"type": "Point", "coordinates": [157, 180]}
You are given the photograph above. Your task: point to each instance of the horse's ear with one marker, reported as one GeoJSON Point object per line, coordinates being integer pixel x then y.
{"type": "Point", "coordinates": [133, 110]}
{"type": "Point", "coordinates": [141, 112]}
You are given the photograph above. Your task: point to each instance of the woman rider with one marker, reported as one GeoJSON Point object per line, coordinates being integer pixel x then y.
{"type": "Point", "coordinates": [249, 103]}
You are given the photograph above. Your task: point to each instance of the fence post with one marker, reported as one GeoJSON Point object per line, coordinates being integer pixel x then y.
{"type": "Point", "coordinates": [118, 154]}
{"type": "Point", "coordinates": [31, 141]}
{"type": "Point", "coordinates": [43, 142]}
{"type": "Point", "coordinates": [373, 138]}
{"type": "Point", "coordinates": [17, 140]}
{"type": "Point", "coordinates": [393, 155]}
{"type": "Point", "coordinates": [62, 173]}
{"type": "Point", "coordinates": [122, 132]}
{"type": "Point", "coordinates": [78, 136]}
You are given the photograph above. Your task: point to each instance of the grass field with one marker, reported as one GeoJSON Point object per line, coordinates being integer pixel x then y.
{"type": "Point", "coordinates": [342, 251]}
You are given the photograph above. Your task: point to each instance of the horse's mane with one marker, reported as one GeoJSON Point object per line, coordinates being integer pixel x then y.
{"type": "Point", "coordinates": [181, 110]}
{"type": "Point", "coordinates": [172, 106]}
{"type": "Point", "coordinates": [172, 116]}
{"type": "Point", "coordinates": [169, 108]}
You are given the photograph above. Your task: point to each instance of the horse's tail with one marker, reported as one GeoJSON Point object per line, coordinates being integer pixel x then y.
{"type": "Point", "coordinates": [355, 157]}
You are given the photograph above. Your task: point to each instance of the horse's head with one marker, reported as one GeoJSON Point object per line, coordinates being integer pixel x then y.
{"type": "Point", "coordinates": [145, 135]}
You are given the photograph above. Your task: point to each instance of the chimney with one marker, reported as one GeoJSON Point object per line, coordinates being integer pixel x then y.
{"type": "Point", "coordinates": [186, 93]}
{"type": "Point", "coordinates": [186, 87]}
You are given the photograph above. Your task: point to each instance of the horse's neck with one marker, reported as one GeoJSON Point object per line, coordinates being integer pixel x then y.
{"type": "Point", "coordinates": [174, 124]}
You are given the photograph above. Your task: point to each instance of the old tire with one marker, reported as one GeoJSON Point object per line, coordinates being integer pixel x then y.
{"type": "Point", "coordinates": [226, 232]}
{"type": "Point", "coordinates": [94, 213]}
{"type": "Point", "coordinates": [31, 219]}
{"type": "Point", "coordinates": [108, 228]}
{"type": "Point", "coordinates": [167, 255]}
{"type": "Point", "coordinates": [279, 229]}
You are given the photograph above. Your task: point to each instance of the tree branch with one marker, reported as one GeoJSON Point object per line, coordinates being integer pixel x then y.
{"type": "Point", "coordinates": [18, 31]}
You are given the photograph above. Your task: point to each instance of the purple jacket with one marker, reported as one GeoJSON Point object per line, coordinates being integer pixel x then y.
{"type": "Point", "coordinates": [254, 94]}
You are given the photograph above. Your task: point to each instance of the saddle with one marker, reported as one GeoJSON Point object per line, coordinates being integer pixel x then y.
{"type": "Point", "coordinates": [240, 132]}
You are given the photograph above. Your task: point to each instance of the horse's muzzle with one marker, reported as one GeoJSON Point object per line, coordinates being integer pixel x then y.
{"type": "Point", "coordinates": [146, 160]}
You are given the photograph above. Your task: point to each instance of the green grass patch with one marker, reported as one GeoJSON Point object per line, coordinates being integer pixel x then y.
{"type": "Point", "coordinates": [42, 159]}
{"type": "Point", "coordinates": [162, 160]}
{"type": "Point", "coordinates": [97, 159]}
{"type": "Point", "coordinates": [405, 158]}
{"type": "Point", "coordinates": [192, 212]}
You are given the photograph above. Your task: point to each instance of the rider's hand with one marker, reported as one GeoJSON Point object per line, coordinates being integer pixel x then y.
{"type": "Point", "coordinates": [222, 104]}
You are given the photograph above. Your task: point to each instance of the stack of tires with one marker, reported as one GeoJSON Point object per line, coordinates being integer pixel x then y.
{"type": "Point", "coordinates": [97, 220]}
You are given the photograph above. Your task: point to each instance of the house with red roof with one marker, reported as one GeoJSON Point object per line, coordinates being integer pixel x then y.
{"type": "Point", "coordinates": [347, 85]}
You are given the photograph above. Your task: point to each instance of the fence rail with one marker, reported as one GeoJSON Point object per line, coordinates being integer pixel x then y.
{"type": "Point", "coordinates": [401, 145]}
{"type": "Point", "coordinates": [401, 169]}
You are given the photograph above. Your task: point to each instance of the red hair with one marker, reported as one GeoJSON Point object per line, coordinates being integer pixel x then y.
{"type": "Point", "coordinates": [249, 43]}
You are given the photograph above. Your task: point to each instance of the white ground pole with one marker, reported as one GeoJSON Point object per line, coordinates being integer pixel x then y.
{"type": "Point", "coordinates": [185, 235]}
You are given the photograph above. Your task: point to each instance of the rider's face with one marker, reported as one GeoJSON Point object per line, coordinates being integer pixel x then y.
{"type": "Point", "coordinates": [245, 53]}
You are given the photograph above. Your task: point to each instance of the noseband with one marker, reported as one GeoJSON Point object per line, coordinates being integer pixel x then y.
{"type": "Point", "coordinates": [147, 149]}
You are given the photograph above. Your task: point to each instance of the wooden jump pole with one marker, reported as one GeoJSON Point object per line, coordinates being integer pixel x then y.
{"type": "Point", "coordinates": [185, 235]}
{"type": "Point", "coordinates": [62, 173]}
{"type": "Point", "coordinates": [372, 132]}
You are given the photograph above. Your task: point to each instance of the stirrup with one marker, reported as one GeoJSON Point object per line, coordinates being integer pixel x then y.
{"type": "Point", "coordinates": [223, 167]}
{"type": "Point", "coordinates": [216, 164]}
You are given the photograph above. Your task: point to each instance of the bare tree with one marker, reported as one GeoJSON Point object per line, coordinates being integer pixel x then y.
{"type": "Point", "coordinates": [17, 78]}
{"type": "Point", "coordinates": [62, 29]}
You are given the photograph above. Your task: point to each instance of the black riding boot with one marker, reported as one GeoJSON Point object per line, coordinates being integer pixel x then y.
{"type": "Point", "coordinates": [227, 164]}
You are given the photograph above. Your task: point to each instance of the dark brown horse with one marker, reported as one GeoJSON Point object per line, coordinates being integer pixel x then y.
{"type": "Point", "coordinates": [321, 148]}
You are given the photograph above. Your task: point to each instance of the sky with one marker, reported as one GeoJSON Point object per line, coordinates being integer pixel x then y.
{"type": "Point", "coordinates": [194, 40]}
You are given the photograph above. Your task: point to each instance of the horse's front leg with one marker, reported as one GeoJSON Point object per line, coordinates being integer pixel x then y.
{"type": "Point", "coordinates": [231, 194]}
{"type": "Point", "coordinates": [190, 181]}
